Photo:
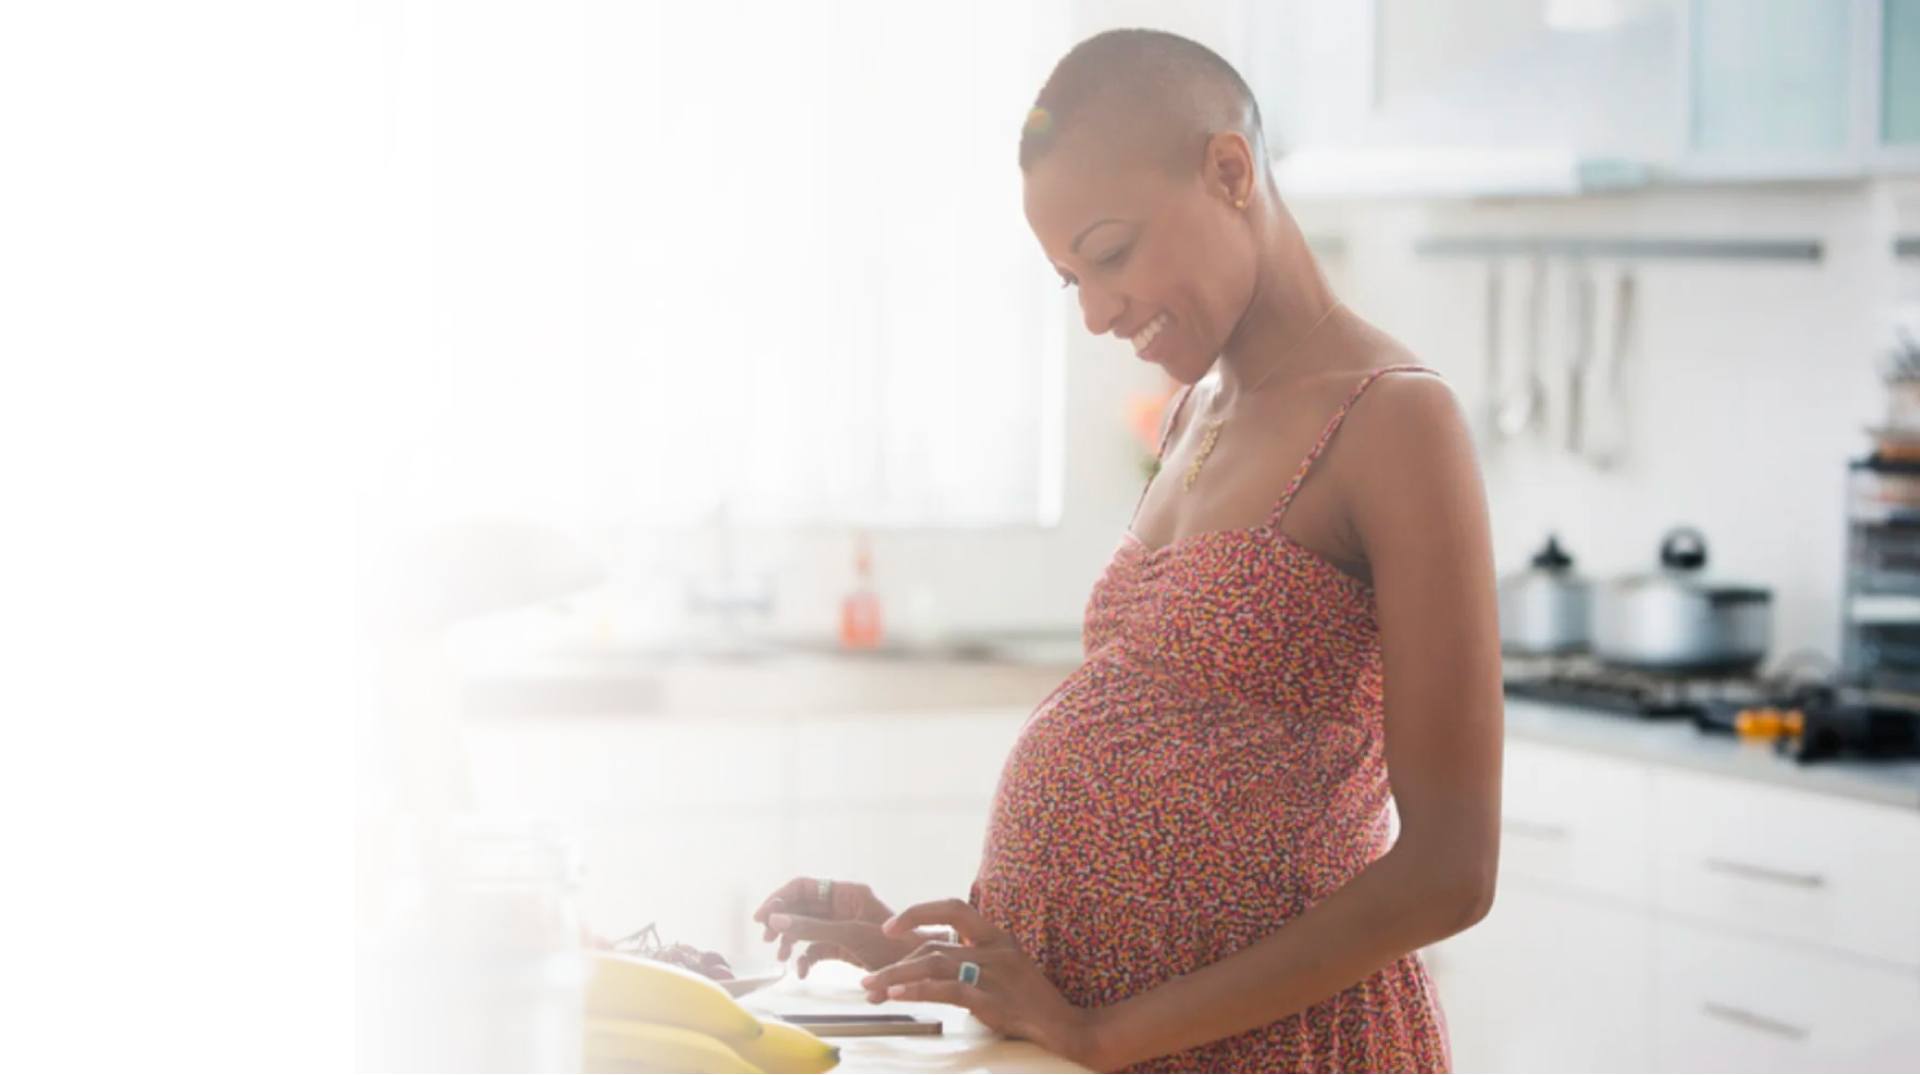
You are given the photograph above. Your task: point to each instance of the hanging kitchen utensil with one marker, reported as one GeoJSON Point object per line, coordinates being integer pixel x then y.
{"type": "Point", "coordinates": [1673, 620]}
{"type": "Point", "coordinates": [1522, 409]}
{"type": "Point", "coordinates": [1579, 352]}
{"type": "Point", "coordinates": [1607, 425]}
{"type": "Point", "coordinates": [1494, 379]}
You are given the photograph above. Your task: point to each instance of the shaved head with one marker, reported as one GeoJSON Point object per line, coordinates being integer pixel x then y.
{"type": "Point", "coordinates": [1146, 95]}
{"type": "Point", "coordinates": [1143, 173]}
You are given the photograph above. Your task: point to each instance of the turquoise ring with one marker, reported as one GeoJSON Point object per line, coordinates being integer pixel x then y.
{"type": "Point", "coordinates": [969, 974]}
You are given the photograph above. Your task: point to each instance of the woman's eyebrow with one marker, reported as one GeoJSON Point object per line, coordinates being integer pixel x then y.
{"type": "Point", "coordinates": [1083, 231]}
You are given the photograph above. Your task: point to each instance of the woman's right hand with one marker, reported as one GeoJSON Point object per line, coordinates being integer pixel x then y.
{"type": "Point", "coordinates": [844, 926]}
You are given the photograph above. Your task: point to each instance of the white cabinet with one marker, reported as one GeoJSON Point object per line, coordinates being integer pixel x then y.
{"type": "Point", "coordinates": [1575, 821]}
{"type": "Point", "coordinates": [1898, 62]}
{"type": "Point", "coordinates": [1654, 918]}
{"type": "Point", "coordinates": [1788, 863]}
{"type": "Point", "coordinates": [1408, 96]}
{"type": "Point", "coordinates": [1548, 981]}
{"type": "Point", "coordinates": [1731, 1002]}
{"type": "Point", "coordinates": [1717, 90]}
{"type": "Point", "coordinates": [1556, 977]}
{"type": "Point", "coordinates": [1773, 87]}
{"type": "Point", "coordinates": [1412, 73]}
{"type": "Point", "coordinates": [1790, 89]}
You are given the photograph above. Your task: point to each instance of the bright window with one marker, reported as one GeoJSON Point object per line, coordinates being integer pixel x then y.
{"type": "Point", "coordinates": [763, 254]}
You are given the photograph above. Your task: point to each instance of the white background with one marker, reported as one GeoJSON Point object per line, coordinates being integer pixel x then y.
{"type": "Point", "coordinates": [191, 295]}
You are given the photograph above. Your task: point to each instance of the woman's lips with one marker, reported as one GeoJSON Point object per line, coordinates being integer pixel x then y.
{"type": "Point", "coordinates": [1150, 334]}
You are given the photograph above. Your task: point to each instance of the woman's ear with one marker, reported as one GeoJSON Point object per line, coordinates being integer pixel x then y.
{"type": "Point", "coordinates": [1229, 168]}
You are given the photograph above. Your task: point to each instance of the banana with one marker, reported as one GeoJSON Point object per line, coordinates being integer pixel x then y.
{"type": "Point", "coordinates": [788, 1050]}
{"type": "Point", "coordinates": [628, 987]}
{"type": "Point", "coordinates": [632, 1045]}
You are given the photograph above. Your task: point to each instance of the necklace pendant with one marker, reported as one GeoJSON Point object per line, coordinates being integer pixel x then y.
{"type": "Point", "coordinates": [1206, 449]}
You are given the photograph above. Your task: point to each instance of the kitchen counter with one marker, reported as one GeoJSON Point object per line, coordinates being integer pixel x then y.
{"type": "Point", "coordinates": [784, 684]}
{"type": "Point", "coordinates": [965, 1044]}
{"type": "Point", "coordinates": [1676, 741]}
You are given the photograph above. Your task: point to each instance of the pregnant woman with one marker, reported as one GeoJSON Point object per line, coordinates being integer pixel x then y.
{"type": "Point", "coordinates": [1192, 863]}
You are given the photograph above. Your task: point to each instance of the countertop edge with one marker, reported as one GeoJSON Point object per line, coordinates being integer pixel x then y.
{"type": "Point", "coordinates": [1677, 743]}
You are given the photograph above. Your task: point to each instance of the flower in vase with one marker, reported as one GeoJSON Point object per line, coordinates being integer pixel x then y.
{"type": "Point", "coordinates": [1146, 411]}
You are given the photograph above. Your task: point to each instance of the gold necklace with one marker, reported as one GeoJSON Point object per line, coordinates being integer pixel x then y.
{"type": "Point", "coordinates": [1212, 434]}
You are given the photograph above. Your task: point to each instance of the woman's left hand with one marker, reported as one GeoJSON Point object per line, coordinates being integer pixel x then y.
{"type": "Point", "coordinates": [1011, 995]}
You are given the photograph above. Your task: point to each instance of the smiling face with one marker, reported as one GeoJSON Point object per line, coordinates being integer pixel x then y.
{"type": "Point", "coordinates": [1162, 259]}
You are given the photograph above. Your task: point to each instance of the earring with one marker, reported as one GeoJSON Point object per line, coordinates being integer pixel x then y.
{"type": "Point", "coordinates": [1241, 204]}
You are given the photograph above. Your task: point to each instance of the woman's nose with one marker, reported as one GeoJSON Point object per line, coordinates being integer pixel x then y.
{"type": "Point", "coordinates": [1099, 308]}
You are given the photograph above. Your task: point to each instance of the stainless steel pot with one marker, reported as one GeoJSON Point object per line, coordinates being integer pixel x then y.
{"type": "Point", "coordinates": [1673, 620]}
{"type": "Point", "coordinates": [1544, 609]}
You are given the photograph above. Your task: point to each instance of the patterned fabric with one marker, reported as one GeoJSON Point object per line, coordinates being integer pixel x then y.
{"type": "Point", "coordinates": [1212, 769]}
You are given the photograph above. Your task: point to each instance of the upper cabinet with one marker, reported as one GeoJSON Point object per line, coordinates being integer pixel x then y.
{"type": "Point", "coordinates": [1777, 89]}
{"type": "Point", "coordinates": [1561, 96]}
{"type": "Point", "coordinates": [1898, 64]}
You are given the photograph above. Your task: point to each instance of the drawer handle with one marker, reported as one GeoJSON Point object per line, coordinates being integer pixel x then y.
{"type": "Point", "coordinates": [1766, 873]}
{"type": "Point", "coordinates": [1754, 1021]}
{"type": "Point", "coordinates": [1534, 830]}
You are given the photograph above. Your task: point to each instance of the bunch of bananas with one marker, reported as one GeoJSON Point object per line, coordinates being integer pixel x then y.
{"type": "Point", "coordinates": [645, 1015]}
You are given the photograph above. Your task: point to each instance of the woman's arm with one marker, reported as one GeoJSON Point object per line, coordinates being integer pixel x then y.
{"type": "Point", "coordinates": [1417, 503]}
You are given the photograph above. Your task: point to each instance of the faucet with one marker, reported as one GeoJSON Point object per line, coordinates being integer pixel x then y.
{"type": "Point", "coordinates": [726, 593]}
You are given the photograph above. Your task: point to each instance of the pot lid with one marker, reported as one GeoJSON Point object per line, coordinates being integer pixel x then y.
{"type": "Point", "coordinates": [1683, 559]}
{"type": "Point", "coordinates": [1551, 556]}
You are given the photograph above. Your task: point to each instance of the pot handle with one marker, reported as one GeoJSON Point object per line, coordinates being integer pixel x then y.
{"type": "Point", "coordinates": [1684, 549]}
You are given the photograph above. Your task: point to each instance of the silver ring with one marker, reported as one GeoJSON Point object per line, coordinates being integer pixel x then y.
{"type": "Point", "coordinates": [969, 973]}
{"type": "Point", "coordinates": [825, 889]}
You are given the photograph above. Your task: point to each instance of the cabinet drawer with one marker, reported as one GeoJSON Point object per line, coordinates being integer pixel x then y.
{"type": "Point", "coordinates": [1575, 820]}
{"type": "Point", "coordinates": [1789, 863]}
{"type": "Point", "coordinates": [1739, 1003]}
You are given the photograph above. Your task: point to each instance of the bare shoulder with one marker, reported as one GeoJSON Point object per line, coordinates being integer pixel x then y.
{"type": "Point", "coordinates": [1409, 411]}
{"type": "Point", "coordinates": [1410, 451]}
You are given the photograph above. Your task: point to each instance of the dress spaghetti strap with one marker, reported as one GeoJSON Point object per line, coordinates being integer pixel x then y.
{"type": "Point", "coordinates": [1326, 436]}
{"type": "Point", "coordinates": [1160, 451]}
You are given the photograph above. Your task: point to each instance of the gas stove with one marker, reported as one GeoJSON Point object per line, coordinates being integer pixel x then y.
{"type": "Point", "coordinates": [1805, 720]}
{"type": "Point", "coordinates": [1588, 684]}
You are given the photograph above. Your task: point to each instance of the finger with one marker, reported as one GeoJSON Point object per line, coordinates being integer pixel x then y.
{"type": "Point", "coordinates": [794, 929]}
{"type": "Point", "coordinates": [803, 928]}
{"type": "Point", "coordinates": [931, 965]}
{"type": "Point", "coordinates": [793, 894]}
{"type": "Point", "coordinates": [937, 947]}
{"type": "Point", "coordinates": [778, 895]}
{"type": "Point", "coordinates": [849, 899]}
{"type": "Point", "coordinates": [774, 903]}
{"type": "Point", "coordinates": [959, 914]}
{"type": "Point", "coordinates": [942, 991]}
{"type": "Point", "coordinates": [820, 952]}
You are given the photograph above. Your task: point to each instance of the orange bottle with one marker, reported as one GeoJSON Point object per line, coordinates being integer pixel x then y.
{"type": "Point", "coordinates": [860, 609]}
